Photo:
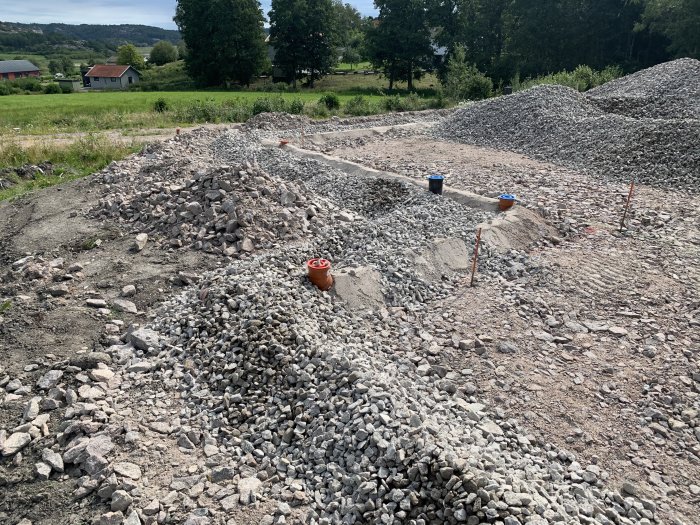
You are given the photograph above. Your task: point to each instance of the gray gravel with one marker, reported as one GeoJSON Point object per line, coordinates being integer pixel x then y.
{"type": "Point", "coordinates": [557, 124]}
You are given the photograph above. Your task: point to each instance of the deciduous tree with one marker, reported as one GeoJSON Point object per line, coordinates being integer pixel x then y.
{"type": "Point", "coordinates": [225, 39]}
{"type": "Point", "coordinates": [128, 55]}
{"type": "Point", "coordinates": [163, 52]}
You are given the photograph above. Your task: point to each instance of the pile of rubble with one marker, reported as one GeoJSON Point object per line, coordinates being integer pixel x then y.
{"type": "Point", "coordinates": [667, 91]}
{"type": "Point", "coordinates": [557, 124]}
{"type": "Point", "coordinates": [329, 413]}
{"type": "Point", "coordinates": [224, 210]}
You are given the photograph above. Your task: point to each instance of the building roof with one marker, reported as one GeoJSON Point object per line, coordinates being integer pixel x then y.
{"type": "Point", "coordinates": [107, 71]}
{"type": "Point", "coordinates": [17, 66]}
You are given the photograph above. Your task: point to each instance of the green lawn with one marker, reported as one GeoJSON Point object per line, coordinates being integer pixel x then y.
{"type": "Point", "coordinates": [96, 111]}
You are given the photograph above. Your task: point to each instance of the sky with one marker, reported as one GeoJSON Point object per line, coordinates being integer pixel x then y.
{"type": "Point", "coordinates": [147, 12]}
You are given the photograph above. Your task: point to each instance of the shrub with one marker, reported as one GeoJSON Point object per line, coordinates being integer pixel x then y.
{"type": "Point", "coordinates": [296, 107]}
{"type": "Point", "coordinates": [411, 102]}
{"type": "Point", "coordinates": [331, 101]}
{"type": "Point", "coordinates": [161, 105]}
{"type": "Point", "coordinates": [358, 106]}
{"type": "Point", "coordinates": [28, 84]}
{"type": "Point", "coordinates": [268, 105]}
{"type": "Point", "coordinates": [5, 89]}
{"type": "Point", "coordinates": [316, 110]}
{"type": "Point", "coordinates": [66, 90]}
{"type": "Point", "coordinates": [52, 89]}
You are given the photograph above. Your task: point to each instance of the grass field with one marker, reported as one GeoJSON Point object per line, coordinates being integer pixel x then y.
{"type": "Point", "coordinates": [98, 111]}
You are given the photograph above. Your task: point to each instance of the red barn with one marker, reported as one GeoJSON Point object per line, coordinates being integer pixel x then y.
{"type": "Point", "coordinates": [13, 69]}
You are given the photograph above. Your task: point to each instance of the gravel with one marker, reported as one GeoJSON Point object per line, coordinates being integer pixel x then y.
{"type": "Point", "coordinates": [557, 124]}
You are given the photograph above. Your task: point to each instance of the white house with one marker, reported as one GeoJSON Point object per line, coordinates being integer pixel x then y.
{"type": "Point", "coordinates": [103, 76]}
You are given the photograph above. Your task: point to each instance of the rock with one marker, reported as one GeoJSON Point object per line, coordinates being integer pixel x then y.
{"type": "Point", "coordinates": [152, 508]}
{"type": "Point", "coordinates": [129, 290]}
{"type": "Point", "coordinates": [122, 305]}
{"type": "Point", "coordinates": [50, 379]}
{"type": "Point", "coordinates": [144, 338]}
{"type": "Point", "coordinates": [140, 242]}
{"type": "Point", "coordinates": [111, 518]}
{"type": "Point", "coordinates": [15, 443]}
{"type": "Point", "coordinates": [507, 347]}
{"type": "Point", "coordinates": [248, 489]}
{"type": "Point", "coordinates": [96, 303]}
{"type": "Point", "coordinates": [219, 474]}
{"type": "Point", "coordinates": [43, 471]}
{"type": "Point", "coordinates": [489, 427]}
{"type": "Point", "coordinates": [59, 290]}
{"type": "Point", "coordinates": [132, 519]}
{"type": "Point", "coordinates": [127, 469]}
{"type": "Point", "coordinates": [90, 360]}
{"type": "Point", "coordinates": [52, 459]}
{"type": "Point", "coordinates": [31, 411]}
{"type": "Point", "coordinates": [120, 500]}
{"type": "Point", "coordinates": [630, 488]}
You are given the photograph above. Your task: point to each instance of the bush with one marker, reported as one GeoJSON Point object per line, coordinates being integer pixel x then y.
{"type": "Point", "coordinates": [52, 89]}
{"type": "Point", "coordinates": [296, 107]}
{"type": "Point", "coordinates": [411, 102]}
{"type": "Point", "coordinates": [66, 90]}
{"type": "Point", "coordinates": [358, 106]}
{"type": "Point", "coordinates": [161, 105]}
{"type": "Point", "coordinates": [582, 78]}
{"type": "Point", "coordinates": [28, 84]}
{"type": "Point", "coordinates": [5, 89]}
{"type": "Point", "coordinates": [331, 101]}
{"type": "Point", "coordinates": [268, 105]}
{"type": "Point", "coordinates": [316, 110]}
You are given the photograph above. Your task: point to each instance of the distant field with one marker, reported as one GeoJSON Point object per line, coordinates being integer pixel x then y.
{"type": "Point", "coordinates": [38, 114]}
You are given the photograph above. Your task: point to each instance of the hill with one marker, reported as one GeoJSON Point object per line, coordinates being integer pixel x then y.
{"type": "Point", "coordinates": [51, 39]}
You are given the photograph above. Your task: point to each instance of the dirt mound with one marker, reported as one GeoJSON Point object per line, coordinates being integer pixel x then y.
{"type": "Point", "coordinates": [667, 91]}
{"type": "Point", "coordinates": [557, 124]}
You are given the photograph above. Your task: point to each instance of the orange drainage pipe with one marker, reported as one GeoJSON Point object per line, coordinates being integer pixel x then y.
{"type": "Point", "coordinates": [476, 255]}
{"type": "Point", "coordinates": [627, 205]}
{"type": "Point", "coordinates": [319, 273]}
{"type": "Point", "coordinates": [283, 143]}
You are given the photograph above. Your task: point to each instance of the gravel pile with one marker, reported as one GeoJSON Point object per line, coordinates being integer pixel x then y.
{"type": "Point", "coordinates": [666, 91]}
{"type": "Point", "coordinates": [380, 223]}
{"type": "Point", "coordinates": [224, 210]}
{"type": "Point", "coordinates": [330, 413]}
{"type": "Point", "coordinates": [276, 121]}
{"type": "Point", "coordinates": [557, 124]}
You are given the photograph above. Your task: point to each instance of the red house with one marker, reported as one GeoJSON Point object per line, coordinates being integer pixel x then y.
{"type": "Point", "coordinates": [13, 69]}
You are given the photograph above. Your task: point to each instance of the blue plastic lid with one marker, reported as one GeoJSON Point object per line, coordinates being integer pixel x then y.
{"type": "Point", "coordinates": [507, 197]}
{"type": "Point", "coordinates": [436, 177]}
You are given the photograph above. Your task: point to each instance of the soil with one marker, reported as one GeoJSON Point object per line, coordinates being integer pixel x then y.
{"type": "Point", "coordinates": [586, 395]}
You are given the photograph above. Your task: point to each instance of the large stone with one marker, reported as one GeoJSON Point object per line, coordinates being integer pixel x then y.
{"type": "Point", "coordinates": [15, 443]}
{"type": "Point", "coordinates": [121, 500]}
{"type": "Point", "coordinates": [53, 459]}
{"type": "Point", "coordinates": [123, 305]}
{"type": "Point", "coordinates": [143, 338]}
{"type": "Point", "coordinates": [140, 242]}
{"type": "Point", "coordinates": [50, 379]}
{"type": "Point", "coordinates": [127, 469]}
{"type": "Point", "coordinates": [90, 360]}
{"type": "Point", "coordinates": [248, 489]}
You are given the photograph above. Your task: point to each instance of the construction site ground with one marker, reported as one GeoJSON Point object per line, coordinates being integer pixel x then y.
{"type": "Point", "coordinates": [594, 349]}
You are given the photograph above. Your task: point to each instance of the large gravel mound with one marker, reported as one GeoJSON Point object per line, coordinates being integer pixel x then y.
{"type": "Point", "coordinates": [667, 91]}
{"type": "Point", "coordinates": [557, 124]}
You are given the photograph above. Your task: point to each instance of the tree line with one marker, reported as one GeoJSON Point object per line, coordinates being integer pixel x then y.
{"type": "Point", "coordinates": [227, 40]}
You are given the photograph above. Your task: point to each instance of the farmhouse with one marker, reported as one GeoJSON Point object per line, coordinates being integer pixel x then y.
{"type": "Point", "coordinates": [13, 69]}
{"type": "Point", "coordinates": [102, 76]}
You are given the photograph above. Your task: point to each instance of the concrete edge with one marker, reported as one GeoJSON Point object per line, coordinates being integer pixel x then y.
{"type": "Point", "coordinates": [471, 200]}
{"type": "Point", "coordinates": [321, 138]}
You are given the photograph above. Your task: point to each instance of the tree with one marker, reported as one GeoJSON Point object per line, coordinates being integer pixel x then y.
{"type": "Point", "coordinates": [399, 43]}
{"type": "Point", "coordinates": [302, 33]}
{"type": "Point", "coordinates": [351, 56]}
{"type": "Point", "coordinates": [55, 66]}
{"type": "Point", "coordinates": [463, 81]}
{"type": "Point", "coordinates": [163, 52]}
{"type": "Point", "coordinates": [67, 65]}
{"type": "Point", "coordinates": [225, 39]}
{"type": "Point", "coordinates": [128, 55]}
{"type": "Point", "coordinates": [678, 20]}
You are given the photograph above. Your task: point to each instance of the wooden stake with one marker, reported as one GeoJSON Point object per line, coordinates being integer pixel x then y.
{"type": "Point", "coordinates": [476, 255]}
{"type": "Point", "coordinates": [627, 205]}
